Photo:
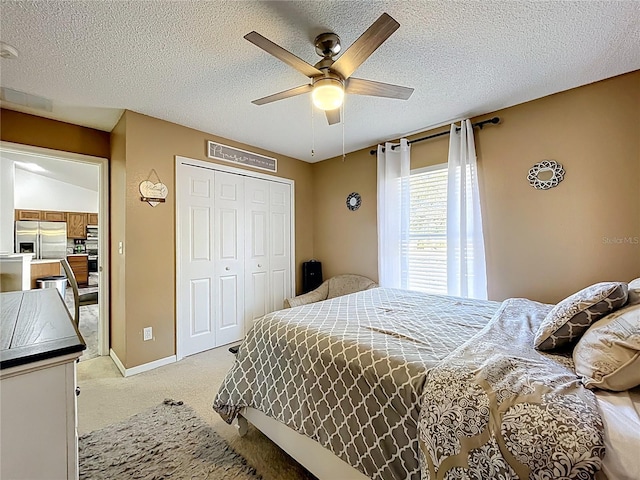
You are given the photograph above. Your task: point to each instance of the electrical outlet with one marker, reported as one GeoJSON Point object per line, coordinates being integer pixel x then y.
{"type": "Point", "coordinates": [147, 333]}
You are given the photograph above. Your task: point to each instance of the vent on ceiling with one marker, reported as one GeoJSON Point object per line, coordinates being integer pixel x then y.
{"type": "Point", "coordinates": [25, 99]}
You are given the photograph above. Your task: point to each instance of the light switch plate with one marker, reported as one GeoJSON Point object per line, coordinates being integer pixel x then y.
{"type": "Point", "coordinates": [147, 333]}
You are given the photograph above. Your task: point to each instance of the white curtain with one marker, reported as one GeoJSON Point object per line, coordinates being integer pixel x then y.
{"type": "Point", "coordinates": [466, 271]}
{"type": "Point", "coordinates": [393, 214]}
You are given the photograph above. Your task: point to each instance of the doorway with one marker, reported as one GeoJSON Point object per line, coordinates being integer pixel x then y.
{"type": "Point", "coordinates": [62, 177]}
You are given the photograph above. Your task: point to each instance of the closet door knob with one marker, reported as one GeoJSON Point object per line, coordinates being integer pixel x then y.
{"type": "Point", "coordinates": [259, 266]}
{"type": "Point", "coordinates": [227, 268]}
{"type": "Point", "coordinates": [77, 391]}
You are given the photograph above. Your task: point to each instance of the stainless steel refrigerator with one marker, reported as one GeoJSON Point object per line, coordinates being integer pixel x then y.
{"type": "Point", "coordinates": [43, 239]}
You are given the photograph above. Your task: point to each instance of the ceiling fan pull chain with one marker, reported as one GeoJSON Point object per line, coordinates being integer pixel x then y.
{"type": "Point", "coordinates": [313, 132]}
{"type": "Point", "coordinates": [344, 120]}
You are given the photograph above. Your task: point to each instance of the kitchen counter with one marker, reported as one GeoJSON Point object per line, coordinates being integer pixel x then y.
{"type": "Point", "coordinates": [15, 255]}
{"type": "Point", "coordinates": [77, 254]}
{"type": "Point", "coordinates": [45, 260]}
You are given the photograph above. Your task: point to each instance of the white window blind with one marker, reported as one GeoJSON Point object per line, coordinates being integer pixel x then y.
{"type": "Point", "coordinates": [427, 242]}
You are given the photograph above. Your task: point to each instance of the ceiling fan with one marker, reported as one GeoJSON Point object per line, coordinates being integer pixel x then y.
{"type": "Point", "coordinates": [331, 79]}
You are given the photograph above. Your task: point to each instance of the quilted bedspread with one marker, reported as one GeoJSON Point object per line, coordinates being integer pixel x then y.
{"type": "Point", "coordinates": [499, 409]}
{"type": "Point", "coordinates": [352, 369]}
{"type": "Point", "coordinates": [404, 385]}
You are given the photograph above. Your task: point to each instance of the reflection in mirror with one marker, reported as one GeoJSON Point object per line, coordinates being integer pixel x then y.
{"type": "Point", "coordinates": [545, 174]}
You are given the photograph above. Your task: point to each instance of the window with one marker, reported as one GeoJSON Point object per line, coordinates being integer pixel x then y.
{"type": "Point", "coordinates": [427, 242]}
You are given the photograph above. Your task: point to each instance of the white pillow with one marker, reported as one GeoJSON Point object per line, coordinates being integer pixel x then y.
{"type": "Point", "coordinates": [608, 354]}
{"type": "Point", "coordinates": [634, 292]}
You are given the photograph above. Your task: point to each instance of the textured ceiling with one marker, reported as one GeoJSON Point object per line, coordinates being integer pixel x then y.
{"type": "Point", "coordinates": [187, 62]}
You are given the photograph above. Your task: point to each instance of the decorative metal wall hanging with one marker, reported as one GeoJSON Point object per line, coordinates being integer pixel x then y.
{"type": "Point", "coordinates": [154, 193]}
{"type": "Point", "coordinates": [546, 174]}
{"type": "Point", "coordinates": [235, 155]}
{"type": "Point", "coordinates": [354, 201]}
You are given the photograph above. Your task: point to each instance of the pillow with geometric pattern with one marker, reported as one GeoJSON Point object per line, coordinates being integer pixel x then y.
{"type": "Point", "coordinates": [569, 319]}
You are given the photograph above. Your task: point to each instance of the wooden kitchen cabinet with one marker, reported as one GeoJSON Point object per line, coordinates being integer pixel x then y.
{"type": "Point", "coordinates": [28, 215]}
{"type": "Point", "coordinates": [50, 216]}
{"type": "Point", "coordinates": [76, 225]}
{"type": "Point", "coordinates": [92, 219]}
{"type": "Point", "coordinates": [80, 266]}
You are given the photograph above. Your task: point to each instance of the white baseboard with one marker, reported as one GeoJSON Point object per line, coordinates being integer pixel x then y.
{"type": "Point", "coordinates": [127, 372]}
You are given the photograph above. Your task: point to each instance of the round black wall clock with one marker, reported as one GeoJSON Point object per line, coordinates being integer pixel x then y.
{"type": "Point", "coordinates": [354, 201]}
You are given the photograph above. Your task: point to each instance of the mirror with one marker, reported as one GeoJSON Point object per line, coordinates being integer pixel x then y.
{"type": "Point", "coordinates": [353, 201]}
{"type": "Point", "coordinates": [545, 175]}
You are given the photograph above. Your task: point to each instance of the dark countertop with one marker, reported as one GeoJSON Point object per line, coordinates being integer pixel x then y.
{"type": "Point", "coordinates": [35, 325]}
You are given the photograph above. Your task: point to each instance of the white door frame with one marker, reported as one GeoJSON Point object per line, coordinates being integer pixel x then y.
{"type": "Point", "coordinates": [237, 171]}
{"type": "Point", "coordinates": [103, 232]}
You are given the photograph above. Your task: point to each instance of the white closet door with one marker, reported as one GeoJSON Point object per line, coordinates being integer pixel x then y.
{"type": "Point", "coordinates": [228, 264]}
{"type": "Point", "coordinates": [280, 244]}
{"type": "Point", "coordinates": [257, 300]}
{"type": "Point", "coordinates": [196, 282]}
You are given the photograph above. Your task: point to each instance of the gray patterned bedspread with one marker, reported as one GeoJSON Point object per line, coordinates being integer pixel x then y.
{"type": "Point", "coordinates": [352, 368]}
{"type": "Point", "coordinates": [446, 388]}
{"type": "Point", "coordinates": [497, 408]}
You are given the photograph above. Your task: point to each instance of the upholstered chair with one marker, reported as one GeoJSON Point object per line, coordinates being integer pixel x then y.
{"type": "Point", "coordinates": [334, 287]}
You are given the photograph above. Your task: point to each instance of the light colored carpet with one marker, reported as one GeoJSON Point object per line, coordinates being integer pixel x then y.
{"type": "Point", "coordinates": [107, 398]}
{"type": "Point", "coordinates": [168, 441]}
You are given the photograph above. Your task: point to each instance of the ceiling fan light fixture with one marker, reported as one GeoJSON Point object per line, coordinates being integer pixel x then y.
{"type": "Point", "coordinates": [328, 93]}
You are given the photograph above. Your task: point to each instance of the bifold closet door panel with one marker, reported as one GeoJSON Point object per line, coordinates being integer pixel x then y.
{"type": "Point", "coordinates": [280, 244]}
{"type": "Point", "coordinates": [257, 298]}
{"type": "Point", "coordinates": [234, 260]}
{"type": "Point", "coordinates": [196, 280]}
{"type": "Point", "coordinates": [228, 262]}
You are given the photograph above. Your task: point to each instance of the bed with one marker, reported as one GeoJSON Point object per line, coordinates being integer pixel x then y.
{"type": "Point", "coordinates": [385, 383]}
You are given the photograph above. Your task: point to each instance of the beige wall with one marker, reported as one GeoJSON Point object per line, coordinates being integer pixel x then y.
{"type": "Point", "coordinates": [540, 244]}
{"type": "Point", "coordinates": [346, 241]}
{"type": "Point", "coordinates": [149, 233]}
{"type": "Point", "coordinates": [42, 132]}
{"type": "Point", "coordinates": [117, 217]}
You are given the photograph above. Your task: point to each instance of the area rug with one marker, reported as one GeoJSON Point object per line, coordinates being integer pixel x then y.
{"type": "Point", "coordinates": [167, 442]}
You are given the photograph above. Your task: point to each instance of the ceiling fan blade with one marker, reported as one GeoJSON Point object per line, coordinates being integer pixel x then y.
{"type": "Point", "coordinates": [333, 116]}
{"type": "Point", "coordinates": [282, 54]}
{"type": "Point", "coordinates": [364, 46]}
{"type": "Point", "coordinates": [292, 92]}
{"type": "Point", "coordinates": [359, 86]}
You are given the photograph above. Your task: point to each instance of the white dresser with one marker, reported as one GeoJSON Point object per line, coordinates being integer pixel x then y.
{"type": "Point", "coordinates": [39, 347]}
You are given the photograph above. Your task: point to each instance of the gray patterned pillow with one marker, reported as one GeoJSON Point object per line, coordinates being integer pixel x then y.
{"type": "Point", "coordinates": [570, 318]}
{"type": "Point", "coordinates": [608, 354]}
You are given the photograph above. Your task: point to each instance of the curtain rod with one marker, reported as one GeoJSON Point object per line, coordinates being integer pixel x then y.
{"type": "Point", "coordinates": [447, 132]}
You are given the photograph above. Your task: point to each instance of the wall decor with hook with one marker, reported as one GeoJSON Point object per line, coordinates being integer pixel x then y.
{"type": "Point", "coordinates": [153, 193]}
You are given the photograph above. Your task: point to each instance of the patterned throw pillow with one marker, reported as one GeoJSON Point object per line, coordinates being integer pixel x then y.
{"type": "Point", "coordinates": [570, 318]}
{"type": "Point", "coordinates": [608, 354]}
